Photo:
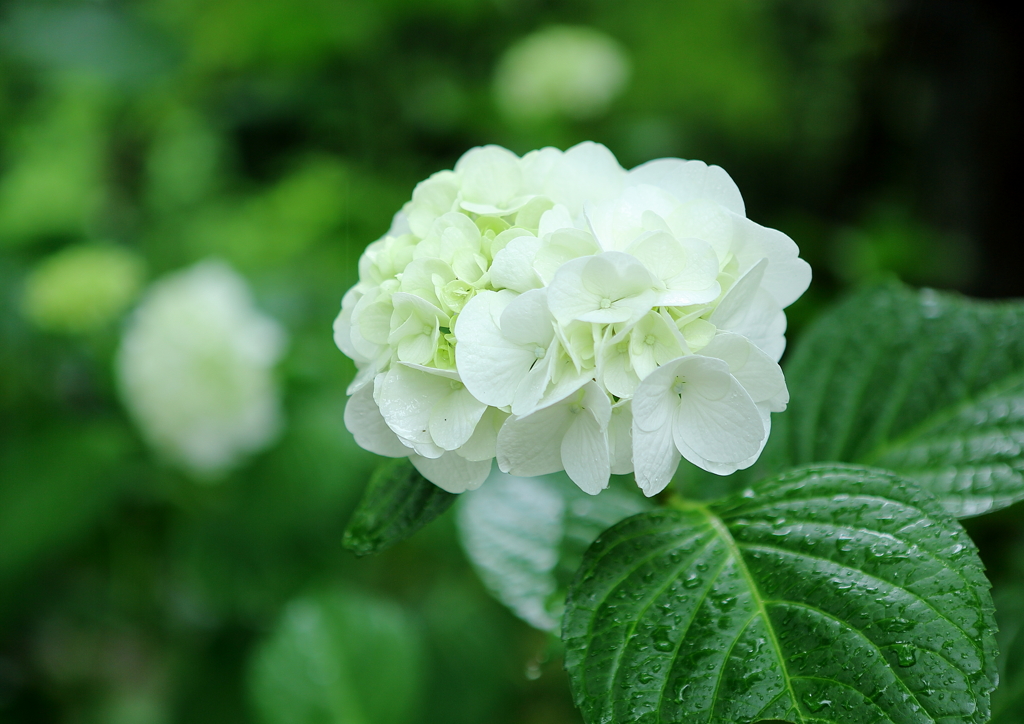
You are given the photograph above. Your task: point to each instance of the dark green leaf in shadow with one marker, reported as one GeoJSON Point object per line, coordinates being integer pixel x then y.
{"type": "Point", "coordinates": [338, 658]}
{"type": "Point", "coordinates": [928, 384]}
{"type": "Point", "coordinates": [397, 503]}
{"type": "Point", "coordinates": [1008, 699]}
{"type": "Point", "coordinates": [831, 594]}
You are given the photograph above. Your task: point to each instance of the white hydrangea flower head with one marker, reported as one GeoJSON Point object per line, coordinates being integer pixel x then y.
{"type": "Point", "coordinates": [556, 311]}
{"type": "Point", "coordinates": [195, 369]}
{"type": "Point", "coordinates": [575, 72]}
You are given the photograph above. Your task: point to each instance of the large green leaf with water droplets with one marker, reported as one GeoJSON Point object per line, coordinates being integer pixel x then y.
{"type": "Point", "coordinates": [397, 502]}
{"type": "Point", "coordinates": [834, 594]}
{"type": "Point", "coordinates": [928, 384]}
{"type": "Point", "coordinates": [526, 537]}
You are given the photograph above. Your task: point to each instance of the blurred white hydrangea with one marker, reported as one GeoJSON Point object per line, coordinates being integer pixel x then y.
{"type": "Point", "coordinates": [556, 311]}
{"type": "Point", "coordinates": [195, 369]}
{"type": "Point", "coordinates": [574, 72]}
{"type": "Point", "coordinates": [82, 288]}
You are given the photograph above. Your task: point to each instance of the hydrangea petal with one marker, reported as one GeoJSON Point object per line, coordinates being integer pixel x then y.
{"type": "Point", "coordinates": [482, 445]}
{"type": "Point", "coordinates": [452, 472]}
{"type": "Point", "coordinates": [454, 419]}
{"type": "Point", "coordinates": [655, 458]}
{"type": "Point", "coordinates": [620, 438]}
{"type": "Point", "coordinates": [491, 178]}
{"type": "Point", "coordinates": [585, 454]}
{"type": "Point", "coordinates": [716, 418]}
{"type": "Point", "coordinates": [490, 365]}
{"type": "Point", "coordinates": [531, 445]}
{"type": "Point", "coordinates": [759, 374]}
{"type": "Point", "coordinates": [364, 420]}
{"type": "Point", "coordinates": [689, 180]}
{"type": "Point", "coordinates": [513, 265]}
{"type": "Point", "coordinates": [608, 288]}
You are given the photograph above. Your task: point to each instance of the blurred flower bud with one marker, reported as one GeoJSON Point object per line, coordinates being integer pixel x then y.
{"type": "Point", "coordinates": [195, 368]}
{"type": "Point", "coordinates": [573, 72]}
{"type": "Point", "coordinates": [82, 288]}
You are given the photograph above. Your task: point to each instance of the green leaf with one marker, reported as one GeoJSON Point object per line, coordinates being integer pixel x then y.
{"type": "Point", "coordinates": [397, 503]}
{"type": "Point", "coordinates": [526, 537]}
{"type": "Point", "coordinates": [54, 487]}
{"type": "Point", "coordinates": [831, 594]}
{"type": "Point", "coordinates": [928, 384]}
{"type": "Point", "coordinates": [1008, 699]}
{"type": "Point", "coordinates": [338, 658]}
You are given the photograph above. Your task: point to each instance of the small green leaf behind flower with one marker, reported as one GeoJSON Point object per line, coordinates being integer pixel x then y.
{"type": "Point", "coordinates": [526, 537]}
{"type": "Point", "coordinates": [397, 502]}
{"type": "Point", "coordinates": [829, 594]}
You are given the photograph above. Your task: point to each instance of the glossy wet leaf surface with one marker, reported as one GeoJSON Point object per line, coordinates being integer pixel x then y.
{"type": "Point", "coordinates": [338, 657]}
{"type": "Point", "coordinates": [526, 537]}
{"type": "Point", "coordinates": [830, 594]}
{"type": "Point", "coordinates": [397, 502]}
{"type": "Point", "coordinates": [928, 384]}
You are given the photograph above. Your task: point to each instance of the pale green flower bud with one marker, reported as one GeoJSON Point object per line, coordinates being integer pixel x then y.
{"type": "Point", "coordinates": [574, 72]}
{"type": "Point", "coordinates": [82, 288]}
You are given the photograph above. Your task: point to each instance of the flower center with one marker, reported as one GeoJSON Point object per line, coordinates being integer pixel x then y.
{"type": "Point", "coordinates": [575, 408]}
{"type": "Point", "coordinates": [427, 329]}
{"type": "Point", "coordinates": [456, 385]}
{"type": "Point", "coordinates": [538, 352]}
{"type": "Point", "coordinates": [606, 303]}
{"type": "Point", "coordinates": [678, 386]}
{"type": "Point", "coordinates": [649, 340]}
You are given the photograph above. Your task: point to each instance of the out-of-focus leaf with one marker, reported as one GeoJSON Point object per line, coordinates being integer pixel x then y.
{"type": "Point", "coordinates": [338, 658]}
{"type": "Point", "coordinates": [53, 488]}
{"type": "Point", "coordinates": [928, 384]}
{"type": "Point", "coordinates": [1008, 698]}
{"type": "Point", "coordinates": [831, 594]}
{"type": "Point", "coordinates": [527, 536]}
{"type": "Point", "coordinates": [397, 503]}
{"type": "Point", "coordinates": [53, 180]}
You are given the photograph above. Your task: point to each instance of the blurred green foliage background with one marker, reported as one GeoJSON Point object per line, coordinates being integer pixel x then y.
{"type": "Point", "coordinates": [281, 136]}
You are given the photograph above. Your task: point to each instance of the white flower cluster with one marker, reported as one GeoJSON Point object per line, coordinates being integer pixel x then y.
{"type": "Point", "coordinates": [556, 311]}
{"type": "Point", "coordinates": [195, 368]}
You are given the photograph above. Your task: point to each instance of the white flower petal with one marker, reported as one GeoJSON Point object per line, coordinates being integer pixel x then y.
{"type": "Point", "coordinates": [586, 172]}
{"type": "Point", "coordinates": [364, 420]}
{"type": "Point", "coordinates": [554, 219]}
{"type": "Point", "coordinates": [716, 417]}
{"type": "Point", "coordinates": [689, 180]}
{"type": "Point", "coordinates": [532, 445]}
{"type": "Point", "coordinates": [759, 374]}
{"type": "Point", "coordinates": [609, 288]}
{"type": "Point", "coordinates": [527, 321]}
{"type": "Point", "coordinates": [513, 265]}
{"type": "Point", "coordinates": [454, 418]}
{"type": "Point", "coordinates": [431, 199]}
{"type": "Point", "coordinates": [787, 275]}
{"type": "Point", "coordinates": [620, 438]}
{"type": "Point", "coordinates": [655, 458]}
{"type": "Point", "coordinates": [490, 178]}
{"type": "Point", "coordinates": [482, 445]}
{"type": "Point", "coordinates": [654, 404]}
{"type": "Point", "coordinates": [562, 246]}
{"type": "Point", "coordinates": [585, 454]}
{"type": "Point", "coordinates": [490, 365]}
{"type": "Point", "coordinates": [452, 472]}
